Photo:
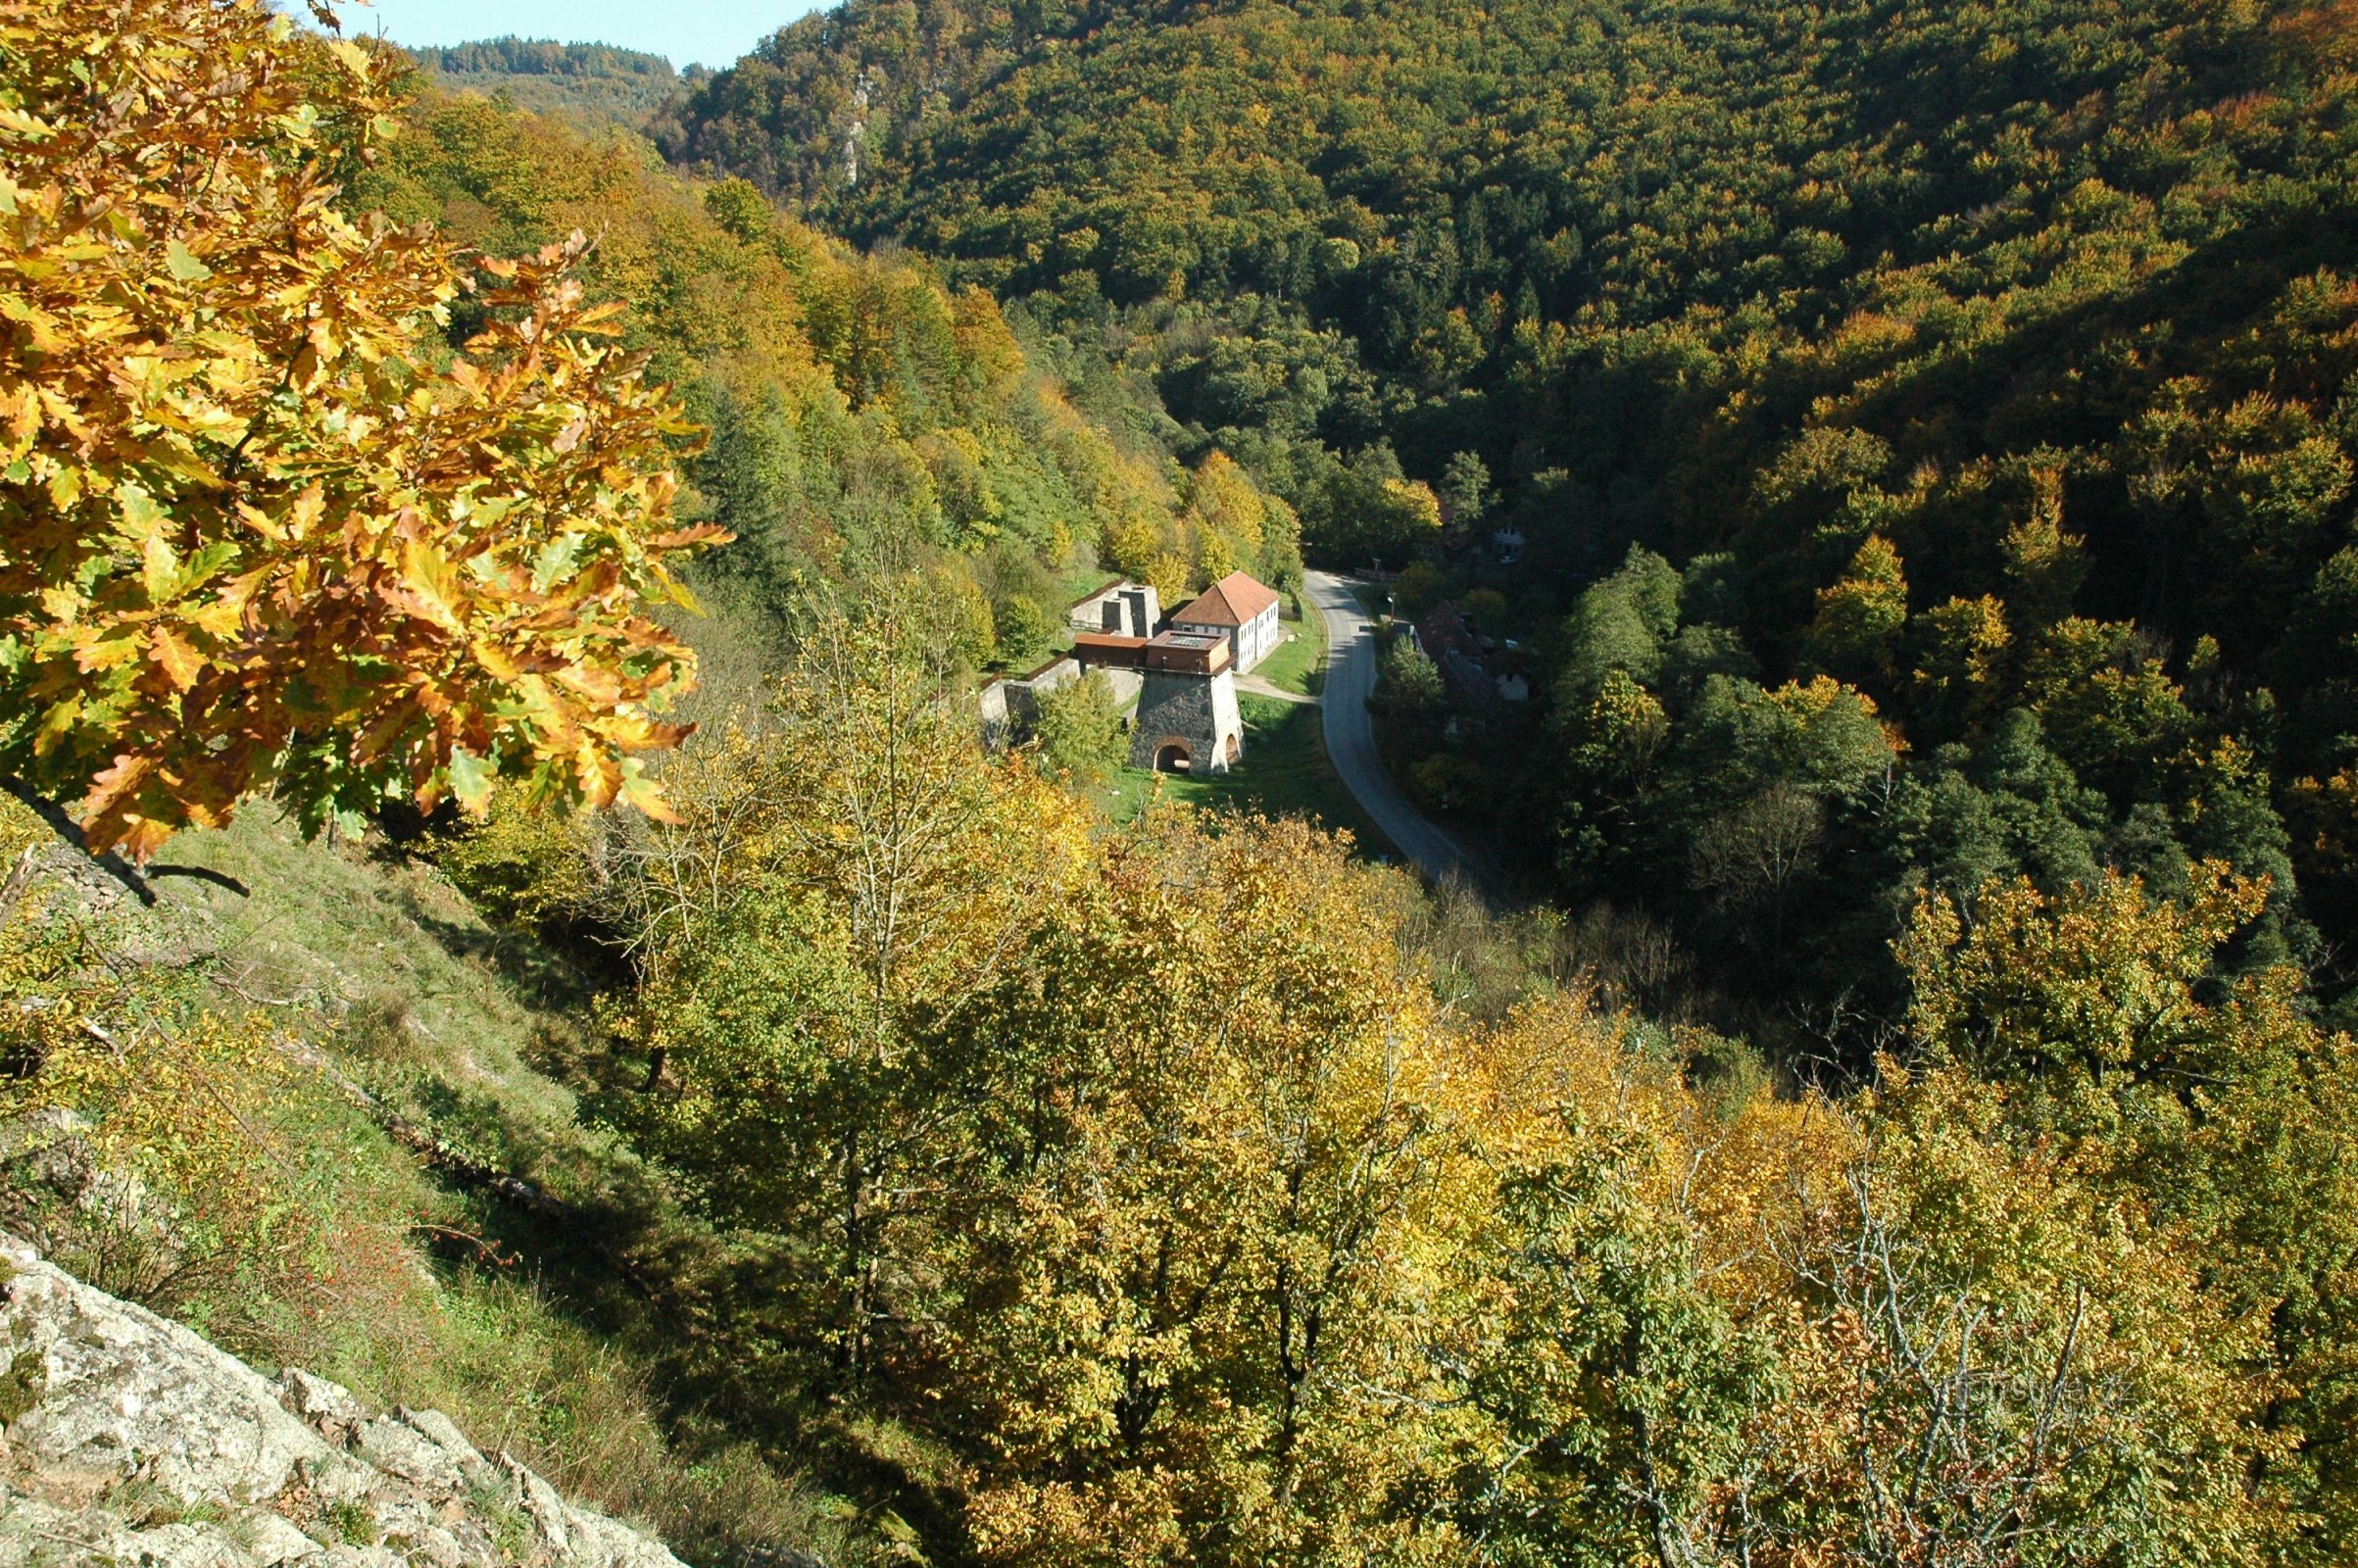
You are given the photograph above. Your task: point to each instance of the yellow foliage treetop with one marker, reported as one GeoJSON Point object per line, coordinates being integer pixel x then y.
{"type": "Point", "coordinates": [257, 525]}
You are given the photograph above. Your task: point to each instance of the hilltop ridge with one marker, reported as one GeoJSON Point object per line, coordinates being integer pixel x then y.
{"type": "Point", "coordinates": [597, 81]}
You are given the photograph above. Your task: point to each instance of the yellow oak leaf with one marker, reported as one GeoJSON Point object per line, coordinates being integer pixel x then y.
{"type": "Point", "coordinates": [116, 781]}
{"type": "Point", "coordinates": [159, 570]}
{"type": "Point", "coordinates": [219, 619]}
{"type": "Point", "coordinates": [434, 589]}
{"type": "Point", "coordinates": [641, 792]}
{"type": "Point", "coordinates": [105, 653]}
{"type": "Point", "coordinates": [181, 665]}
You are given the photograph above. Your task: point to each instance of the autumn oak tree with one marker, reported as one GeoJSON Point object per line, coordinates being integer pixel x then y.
{"type": "Point", "coordinates": [261, 527]}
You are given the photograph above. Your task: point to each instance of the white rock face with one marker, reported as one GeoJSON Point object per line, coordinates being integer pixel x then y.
{"type": "Point", "coordinates": [128, 1439]}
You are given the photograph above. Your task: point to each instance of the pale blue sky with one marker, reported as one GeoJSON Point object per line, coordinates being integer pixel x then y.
{"type": "Point", "coordinates": [713, 31]}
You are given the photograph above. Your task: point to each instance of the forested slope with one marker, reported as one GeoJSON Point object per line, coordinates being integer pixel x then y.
{"type": "Point", "coordinates": [1054, 1192]}
{"type": "Point", "coordinates": [596, 82]}
{"type": "Point", "coordinates": [1990, 360]}
{"type": "Point", "coordinates": [862, 416]}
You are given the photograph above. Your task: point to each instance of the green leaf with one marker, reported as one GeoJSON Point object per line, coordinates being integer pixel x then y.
{"type": "Point", "coordinates": [183, 264]}
{"type": "Point", "coordinates": [556, 561]}
{"type": "Point", "coordinates": [471, 778]}
{"type": "Point", "coordinates": [142, 518]}
{"type": "Point", "coordinates": [208, 563]}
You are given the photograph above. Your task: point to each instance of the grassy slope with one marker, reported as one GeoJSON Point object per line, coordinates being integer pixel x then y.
{"type": "Point", "coordinates": [1299, 662]}
{"type": "Point", "coordinates": [524, 1336]}
{"type": "Point", "coordinates": [437, 1009]}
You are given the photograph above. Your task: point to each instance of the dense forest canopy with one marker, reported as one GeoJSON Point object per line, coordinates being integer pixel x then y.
{"type": "Point", "coordinates": [542, 57]}
{"type": "Point", "coordinates": [861, 413]}
{"type": "Point", "coordinates": [1990, 361]}
{"type": "Point", "coordinates": [595, 82]}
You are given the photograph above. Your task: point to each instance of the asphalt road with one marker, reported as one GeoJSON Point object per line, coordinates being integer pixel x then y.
{"type": "Point", "coordinates": [1350, 671]}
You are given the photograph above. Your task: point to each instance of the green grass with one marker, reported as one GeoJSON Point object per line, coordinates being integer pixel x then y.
{"type": "Point", "coordinates": [1079, 577]}
{"type": "Point", "coordinates": [441, 1013]}
{"type": "Point", "coordinates": [1284, 772]}
{"type": "Point", "coordinates": [1298, 665]}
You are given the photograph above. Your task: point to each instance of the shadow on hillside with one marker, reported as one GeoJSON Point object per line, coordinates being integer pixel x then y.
{"type": "Point", "coordinates": [538, 973]}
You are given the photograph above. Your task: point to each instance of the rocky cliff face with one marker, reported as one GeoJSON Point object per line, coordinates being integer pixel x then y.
{"type": "Point", "coordinates": [128, 1440]}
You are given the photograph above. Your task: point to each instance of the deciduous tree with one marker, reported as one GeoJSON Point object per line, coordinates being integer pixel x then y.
{"type": "Point", "coordinates": [259, 526]}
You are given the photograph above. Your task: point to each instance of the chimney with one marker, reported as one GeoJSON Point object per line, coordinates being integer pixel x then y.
{"type": "Point", "coordinates": [1144, 609]}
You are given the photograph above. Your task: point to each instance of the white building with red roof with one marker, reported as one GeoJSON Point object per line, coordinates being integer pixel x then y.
{"type": "Point", "coordinates": [1240, 610]}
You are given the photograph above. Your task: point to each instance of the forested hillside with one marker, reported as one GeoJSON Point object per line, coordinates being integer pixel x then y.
{"type": "Point", "coordinates": [594, 80]}
{"type": "Point", "coordinates": [862, 416]}
{"type": "Point", "coordinates": [515, 608]}
{"type": "Point", "coordinates": [1987, 361]}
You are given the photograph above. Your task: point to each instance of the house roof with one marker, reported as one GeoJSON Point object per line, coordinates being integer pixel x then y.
{"type": "Point", "coordinates": [1231, 601]}
{"type": "Point", "coordinates": [1444, 627]}
{"type": "Point", "coordinates": [1196, 653]}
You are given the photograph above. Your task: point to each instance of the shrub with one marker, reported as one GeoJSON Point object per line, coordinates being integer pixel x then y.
{"type": "Point", "coordinates": [1080, 729]}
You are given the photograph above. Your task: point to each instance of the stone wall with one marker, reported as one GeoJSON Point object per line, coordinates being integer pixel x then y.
{"type": "Point", "coordinates": [1197, 711]}
{"type": "Point", "coordinates": [1011, 708]}
{"type": "Point", "coordinates": [1125, 684]}
{"type": "Point", "coordinates": [1124, 609]}
{"type": "Point", "coordinates": [998, 725]}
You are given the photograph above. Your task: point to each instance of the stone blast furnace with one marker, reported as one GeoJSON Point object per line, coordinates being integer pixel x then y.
{"type": "Point", "coordinates": [1187, 713]}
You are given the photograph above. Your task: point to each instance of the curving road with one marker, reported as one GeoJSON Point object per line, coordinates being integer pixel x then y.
{"type": "Point", "coordinates": [1350, 672]}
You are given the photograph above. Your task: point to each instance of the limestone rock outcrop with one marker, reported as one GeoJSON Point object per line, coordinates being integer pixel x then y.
{"type": "Point", "coordinates": [128, 1440]}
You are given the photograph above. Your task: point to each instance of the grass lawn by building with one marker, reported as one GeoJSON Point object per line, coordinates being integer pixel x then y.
{"type": "Point", "coordinates": [1298, 663]}
{"type": "Point", "coordinates": [1078, 577]}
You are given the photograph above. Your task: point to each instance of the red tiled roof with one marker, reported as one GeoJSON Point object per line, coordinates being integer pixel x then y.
{"type": "Point", "coordinates": [1231, 601]}
{"type": "Point", "coordinates": [1444, 627]}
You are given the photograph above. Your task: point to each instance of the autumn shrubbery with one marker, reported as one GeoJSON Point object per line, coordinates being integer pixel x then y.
{"type": "Point", "coordinates": [1190, 1191]}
